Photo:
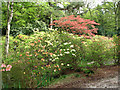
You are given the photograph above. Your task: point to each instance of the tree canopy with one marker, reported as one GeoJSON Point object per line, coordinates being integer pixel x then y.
{"type": "Point", "coordinates": [28, 14]}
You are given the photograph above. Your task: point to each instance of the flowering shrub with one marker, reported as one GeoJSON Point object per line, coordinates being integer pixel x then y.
{"type": "Point", "coordinates": [77, 25]}
{"type": "Point", "coordinates": [8, 67]}
{"type": "Point", "coordinates": [99, 49]}
{"type": "Point", "coordinates": [116, 41]}
{"type": "Point", "coordinates": [67, 55]}
{"type": "Point", "coordinates": [41, 56]}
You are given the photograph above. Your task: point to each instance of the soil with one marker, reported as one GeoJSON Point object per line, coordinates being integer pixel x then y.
{"type": "Point", "coordinates": [103, 77]}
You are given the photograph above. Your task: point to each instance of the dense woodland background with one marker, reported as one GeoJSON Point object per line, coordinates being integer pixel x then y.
{"type": "Point", "coordinates": [28, 16]}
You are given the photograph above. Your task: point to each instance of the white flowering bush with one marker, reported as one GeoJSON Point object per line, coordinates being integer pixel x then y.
{"type": "Point", "coordinates": [67, 55]}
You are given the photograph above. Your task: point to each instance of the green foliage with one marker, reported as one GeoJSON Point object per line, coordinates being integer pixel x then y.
{"type": "Point", "coordinates": [116, 41]}
{"type": "Point", "coordinates": [30, 12]}
{"type": "Point", "coordinates": [73, 7]}
{"type": "Point", "coordinates": [4, 11]}
{"type": "Point", "coordinates": [87, 71]}
{"type": "Point", "coordinates": [105, 14]}
{"type": "Point", "coordinates": [15, 31]}
{"type": "Point", "coordinates": [27, 16]}
{"type": "Point", "coordinates": [100, 50]}
{"type": "Point", "coordinates": [40, 25]}
{"type": "Point", "coordinates": [29, 28]}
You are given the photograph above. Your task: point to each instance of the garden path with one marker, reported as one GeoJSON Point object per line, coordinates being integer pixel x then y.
{"type": "Point", "coordinates": [104, 77]}
{"type": "Point", "coordinates": [111, 82]}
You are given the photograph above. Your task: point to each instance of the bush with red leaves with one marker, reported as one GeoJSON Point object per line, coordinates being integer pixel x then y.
{"type": "Point", "coordinates": [77, 25]}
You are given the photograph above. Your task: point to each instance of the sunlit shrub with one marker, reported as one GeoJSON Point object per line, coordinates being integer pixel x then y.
{"type": "Point", "coordinates": [43, 55]}
{"type": "Point", "coordinates": [99, 49]}
{"type": "Point", "coordinates": [116, 41]}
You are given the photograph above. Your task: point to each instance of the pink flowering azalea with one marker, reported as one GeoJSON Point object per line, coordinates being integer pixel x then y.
{"type": "Point", "coordinates": [3, 65]}
{"type": "Point", "coordinates": [8, 67]}
{"type": "Point", "coordinates": [2, 70]}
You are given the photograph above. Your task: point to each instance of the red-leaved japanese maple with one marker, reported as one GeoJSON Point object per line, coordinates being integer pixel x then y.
{"type": "Point", "coordinates": [77, 25]}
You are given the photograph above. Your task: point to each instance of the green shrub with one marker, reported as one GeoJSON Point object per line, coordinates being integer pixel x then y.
{"type": "Point", "coordinates": [99, 50]}
{"type": "Point", "coordinates": [29, 28]}
{"type": "Point", "coordinates": [39, 57]}
{"type": "Point", "coordinates": [116, 41]}
{"type": "Point", "coordinates": [40, 25]}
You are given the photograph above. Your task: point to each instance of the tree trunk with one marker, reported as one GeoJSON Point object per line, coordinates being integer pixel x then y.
{"type": "Point", "coordinates": [8, 26]}
{"type": "Point", "coordinates": [51, 21]}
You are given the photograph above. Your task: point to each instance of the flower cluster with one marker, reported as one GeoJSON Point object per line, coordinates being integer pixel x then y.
{"type": "Point", "coordinates": [8, 67]}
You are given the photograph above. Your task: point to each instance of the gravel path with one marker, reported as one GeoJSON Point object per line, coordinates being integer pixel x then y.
{"type": "Point", "coordinates": [111, 82]}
